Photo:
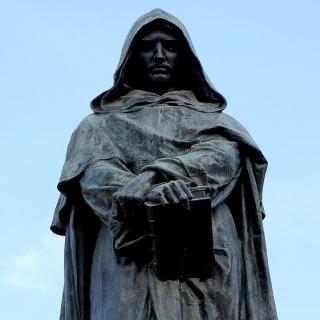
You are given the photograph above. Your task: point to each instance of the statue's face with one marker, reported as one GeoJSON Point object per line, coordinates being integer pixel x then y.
{"type": "Point", "coordinates": [158, 52]}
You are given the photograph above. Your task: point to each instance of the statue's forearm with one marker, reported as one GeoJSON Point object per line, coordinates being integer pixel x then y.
{"type": "Point", "coordinates": [212, 162]}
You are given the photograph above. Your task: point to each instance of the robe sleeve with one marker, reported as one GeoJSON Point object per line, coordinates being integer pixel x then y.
{"type": "Point", "coordinates": [214, 163]}
{"type": "Point", "coordinates": [100, 181]}
{"type": "Point", "coordinates": [98, 184]}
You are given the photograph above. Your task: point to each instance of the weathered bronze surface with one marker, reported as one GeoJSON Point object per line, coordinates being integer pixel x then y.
{"type": "Point", "coordinates": [161, 194]}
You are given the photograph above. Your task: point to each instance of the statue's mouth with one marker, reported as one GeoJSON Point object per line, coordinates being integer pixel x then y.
{"type": "Point", "coordinates": [159, 69]}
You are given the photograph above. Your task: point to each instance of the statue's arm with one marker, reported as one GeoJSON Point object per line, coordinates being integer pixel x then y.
{"type": "Point", "coordinates": [212, 162]}
{"type": "Point", "coordinates": [98, 183]}
{"type": "Point", "coordinates": [116, 196]}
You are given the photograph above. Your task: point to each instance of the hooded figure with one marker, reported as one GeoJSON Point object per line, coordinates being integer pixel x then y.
{"type": "Point", "coordinates": [136, 141]}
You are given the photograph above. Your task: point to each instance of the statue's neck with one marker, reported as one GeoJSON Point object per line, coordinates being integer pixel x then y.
{"type": "Point", "coordinates": [160, 88]}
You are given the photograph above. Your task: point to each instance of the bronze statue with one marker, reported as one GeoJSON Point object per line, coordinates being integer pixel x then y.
{"type": "Point", "coordinates": [158, 155]}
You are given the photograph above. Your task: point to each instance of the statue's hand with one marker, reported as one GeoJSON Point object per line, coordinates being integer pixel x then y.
{"type": "Point", "coordinates": [171, 192]}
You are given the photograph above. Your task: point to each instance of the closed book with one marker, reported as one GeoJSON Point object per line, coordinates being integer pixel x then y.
{"type": "Point", "coordinates": [181, 239]}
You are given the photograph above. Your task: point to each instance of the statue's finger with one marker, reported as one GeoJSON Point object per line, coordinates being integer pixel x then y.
{"type": "Point", "coordinates": [184, 187]}
{"type": "Point", "coordinates": [182, 196]}
{"type": "Point", "coordinates": [154, 196]}
{"type": "Point", "coordinates": [164, 201]}
{"type": "Point", "coordinates": [170, 194]}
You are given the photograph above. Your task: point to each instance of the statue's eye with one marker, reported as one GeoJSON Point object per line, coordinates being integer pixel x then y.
{"type": "Point", "coordinates": [170, 45]}
{"type": "Point", "coordinates": [146, 45]}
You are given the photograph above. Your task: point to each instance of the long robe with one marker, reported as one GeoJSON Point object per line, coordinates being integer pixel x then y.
{"type": "Point", "coordinates": [179, 135]}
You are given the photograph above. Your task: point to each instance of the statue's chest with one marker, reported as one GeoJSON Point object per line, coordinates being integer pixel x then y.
{"type": "Point", "coordinates": [153, 133]}
{"type": "Point", "coordinates": [167, 122]}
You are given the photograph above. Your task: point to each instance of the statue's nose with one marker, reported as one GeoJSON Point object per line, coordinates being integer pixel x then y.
{"type": "Point", "coordinates": [159, 52]}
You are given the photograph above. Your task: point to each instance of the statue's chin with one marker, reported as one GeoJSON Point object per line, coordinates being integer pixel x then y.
{"type": "Point", "coordinates": [159, 82]}
{"type": "Point", "coordinates": [160, 78]}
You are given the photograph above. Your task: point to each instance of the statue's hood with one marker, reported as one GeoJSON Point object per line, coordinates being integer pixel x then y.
{"type": "Point", "coordinates": [205, 91]}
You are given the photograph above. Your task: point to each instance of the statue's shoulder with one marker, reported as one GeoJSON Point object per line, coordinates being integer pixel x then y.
{"type": "Point", "coordinates": [87, 127]}
{"type": "Point", "coordinates": [228, 121]}
{"type": "Point", "coordinates": [91, 122]}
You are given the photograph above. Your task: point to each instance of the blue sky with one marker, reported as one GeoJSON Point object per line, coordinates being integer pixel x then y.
{"type": "Point", "coordinates": [263, 56]}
